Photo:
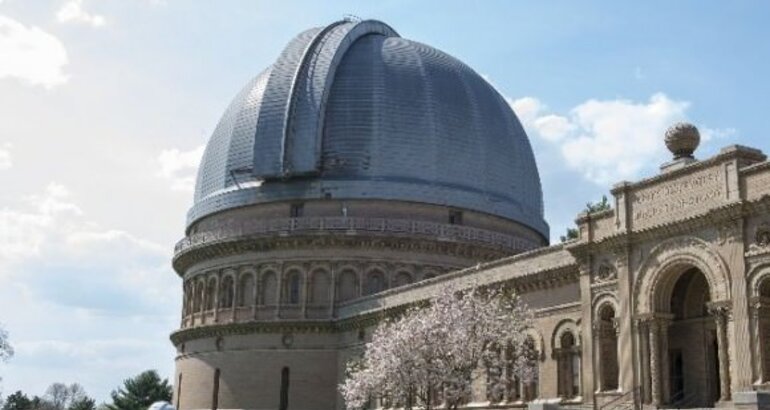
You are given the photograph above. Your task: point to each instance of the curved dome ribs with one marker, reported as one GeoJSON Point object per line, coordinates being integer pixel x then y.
{"type": "Point", "coordinates": [270, 132]}
{"type": "Point", "coordinates": [355, 111]}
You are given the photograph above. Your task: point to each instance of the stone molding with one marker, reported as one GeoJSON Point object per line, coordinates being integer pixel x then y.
{"type": "Point", "coordinates": [251, 231]}
{"type": "Point", "coordinates": [667, 255]}
{"type": "Point", "coordinates": [212, 250]}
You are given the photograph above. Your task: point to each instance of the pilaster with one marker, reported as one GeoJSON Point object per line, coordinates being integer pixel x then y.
{"type": "Point", "coordinates": [626, 343]}
{"type": "Point", "coordinates": [588, 385]}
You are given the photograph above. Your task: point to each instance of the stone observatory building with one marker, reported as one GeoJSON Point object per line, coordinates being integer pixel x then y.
{"type": "Point", "coordinates": [361, 172]}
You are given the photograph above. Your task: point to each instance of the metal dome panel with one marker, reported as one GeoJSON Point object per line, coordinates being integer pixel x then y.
{"type": "Point", "coordinates": [354, 111]}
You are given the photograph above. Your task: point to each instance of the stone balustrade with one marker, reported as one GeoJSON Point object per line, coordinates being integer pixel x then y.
{"type": "Point", "coordinates": [354, 226]}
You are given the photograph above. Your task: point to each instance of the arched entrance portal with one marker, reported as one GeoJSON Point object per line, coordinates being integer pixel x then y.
{"type": "Point", "coordinates": [684, 341]}
{"type": "Point", "coordinates": [692, 344]}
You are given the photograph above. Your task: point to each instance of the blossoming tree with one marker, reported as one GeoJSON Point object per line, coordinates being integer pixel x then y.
{"type": "Point", "coordinates": [432, 354]}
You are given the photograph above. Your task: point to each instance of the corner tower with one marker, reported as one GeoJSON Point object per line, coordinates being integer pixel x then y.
{"type": "Point", "coordinates": [358, 163]}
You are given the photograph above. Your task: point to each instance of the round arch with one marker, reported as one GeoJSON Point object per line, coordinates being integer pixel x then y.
{"type": "Point", "coordinates": [564, 326]}
{"type": "Point", "coordinates": [537, 337]}
{"type": "Point", "coordinates": [659, 272]}
{"type": "Point", "coordinates": [757, 277]}
{"type": "Point", "coordinates": [602, 300]}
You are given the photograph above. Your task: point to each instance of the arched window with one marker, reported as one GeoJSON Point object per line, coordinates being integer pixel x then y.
{"type": "Point", "coordinates": [347, 285]}
{"type": "Point", "coordinates": [495, 385]}
{"type": "Point", "coordinates": [226, 292]}
{"type": "Point", "coordinates": [246, 290]}
{"type": "Point", "coordinates": [292, 288]}
{"type": "Point", "coordinates": [198, 298]}
{"type": "Point", "coordinates": [319, 288]}
{"type": "Point", "coordinates": [568, 355]}
{"type": "Point", "coordinates": [764, 288]}
{"type": "Point", "coordinates": [607, 348]}
{"type": "Point", "coordinates": [211, 293]}
{"type": "Point", "coordinates": [375, 282]}
{"type": "Point", "coordinates": [268, 289]}
{"type": "Point", "coordinates": [522, 387]}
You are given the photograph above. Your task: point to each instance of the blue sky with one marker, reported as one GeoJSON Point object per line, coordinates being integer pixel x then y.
{"type": "Point", "coordinates": [105, 106]}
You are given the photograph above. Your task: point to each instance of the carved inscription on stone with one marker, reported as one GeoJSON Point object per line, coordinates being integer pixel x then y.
{"type": "Point", "coordinates": [680, 198]}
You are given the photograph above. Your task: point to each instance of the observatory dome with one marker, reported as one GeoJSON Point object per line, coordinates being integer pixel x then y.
{"type": "Point", "coordinates": [354, 111]}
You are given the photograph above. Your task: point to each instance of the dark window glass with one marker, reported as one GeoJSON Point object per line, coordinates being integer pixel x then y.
{"type": "Point", "coordinates": [284, 400]}
{"type": "Point", "coordinates": [215, 393]}
{"type": "Point", "coordinates": [296, 210]}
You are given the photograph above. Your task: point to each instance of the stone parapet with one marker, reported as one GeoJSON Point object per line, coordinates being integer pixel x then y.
{"type": "Point", "coordinates": [353, 226]}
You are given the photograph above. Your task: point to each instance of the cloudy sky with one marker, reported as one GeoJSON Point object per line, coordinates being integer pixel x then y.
{"type": "Point", "coordinates": [105, 106]}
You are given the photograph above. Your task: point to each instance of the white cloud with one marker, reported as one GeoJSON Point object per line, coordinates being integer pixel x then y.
{"type": "Point", "coordinates": [179, 167]}
{"type": "Point", "coordinates": [51, 230]}
{"type": "Point", "coordinates": [30, 54]}
{"type": "Point", "coordinates": [527, 109]}
{"type": "Point", "coordinates": [553, 127]}
{"type": "Point", "coordinates": [23, 232]}
{"type": "Point", "coordinates": [5, 156]}
{"type": "Point", "coordinates": [607, 140]}
{"type": "Point", "coordinates": [73, 12]}
{"type": "Point", "coordinates": [709, 134]}
{"type": "Point", "coordinates": [90, 303]}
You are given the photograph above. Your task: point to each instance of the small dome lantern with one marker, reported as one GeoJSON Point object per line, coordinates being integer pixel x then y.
{"type": "Point", "coordinates": [682, 139]}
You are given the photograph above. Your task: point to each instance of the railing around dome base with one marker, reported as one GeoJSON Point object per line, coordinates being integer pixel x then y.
{"type": "Point", "coordinates": [320, 225]}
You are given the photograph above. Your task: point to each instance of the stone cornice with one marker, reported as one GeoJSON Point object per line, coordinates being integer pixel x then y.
{"type": "Point", "coordinates": [714, 217]}
{"type": "Point", "coordinates": [558, 310]}
{"type": "Point", "coordinates": [266, 244]}
{"type": "Point", "coordinates": [350, 226]}
{"type": "Point", "coordinates": [726, 154]}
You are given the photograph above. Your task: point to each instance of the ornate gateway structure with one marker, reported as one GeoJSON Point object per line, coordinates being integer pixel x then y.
{"type": "Point", "coordinates": [362, 171]}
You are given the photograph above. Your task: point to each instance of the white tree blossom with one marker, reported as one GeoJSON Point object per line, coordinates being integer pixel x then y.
{"type": "Point", "coordinates": [432, 354]}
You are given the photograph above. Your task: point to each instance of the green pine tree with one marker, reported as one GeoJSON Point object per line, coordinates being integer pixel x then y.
{"type": "Point", "coordinates": [17, 401]}
{"type": "Point", "coordinates": [140, 392]}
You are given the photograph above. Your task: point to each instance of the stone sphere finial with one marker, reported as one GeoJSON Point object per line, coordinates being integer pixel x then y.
{"type": "Point", "coordinates": [682, 139]}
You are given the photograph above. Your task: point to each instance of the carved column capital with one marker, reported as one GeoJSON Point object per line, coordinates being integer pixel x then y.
{"type": "Point", "coordinates": [721, 311]}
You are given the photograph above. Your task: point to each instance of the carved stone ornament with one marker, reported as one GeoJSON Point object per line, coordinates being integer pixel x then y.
{"type": "Point", "coordinates": [605, 273]}
{"type": "Point", "coordinates": [762, 235]}
{"type": "Point", "coordinates": [727, 233]}
{"type": "Point", "coordinates": [682, 139]}
{"type": "Point", "coordinates": [720, 310]}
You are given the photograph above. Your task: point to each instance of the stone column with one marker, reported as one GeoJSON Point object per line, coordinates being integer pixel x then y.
{"type": "Point", "coordinates": [756, 343]}
{"type": "Point", "coordinates": [724, 370]}
{"type": "Point", "coordinates": [598, 359]}
{"type": "Point", "coordinates": [234, 297]}
{"type": "Point", "coordinates": [255, 295]}
{"type": "Point", "coordinates": [278, 289]}
{"type": "Point", "coordinates": [664, 359]}
{"type": "Point", "coordinates": [185, 302]}
{"type": "Point", "coordinates": [644, 360]}
{"type": "Point", "coordinates": [305, 296]}
{"type": "Point", "coordinates": [654, 338]}
{"type": "Point", "coordinates": [332, 289]}
{"type": "Point", "coordinates": [217, 291]}
{"type": "Point", "coordinates": [587, 371]}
